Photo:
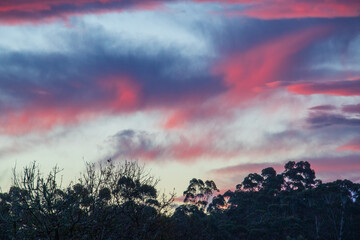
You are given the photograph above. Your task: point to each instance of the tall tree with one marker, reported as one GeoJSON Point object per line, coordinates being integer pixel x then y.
{"type": "Point", "coordinates": [299, 176]}
{"type": "Point", "coordinates": [200, 192]}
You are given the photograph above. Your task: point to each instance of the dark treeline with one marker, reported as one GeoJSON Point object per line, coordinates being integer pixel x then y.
{"type": "Point", "coordinates": [120, 201]}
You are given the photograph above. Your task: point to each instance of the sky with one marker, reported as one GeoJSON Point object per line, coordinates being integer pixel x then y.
{"type": "Point", "coordinates": [198, 88]}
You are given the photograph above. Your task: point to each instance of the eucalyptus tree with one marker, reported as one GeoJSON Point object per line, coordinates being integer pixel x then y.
{"type": "Point", "coordinates": [199, 192]}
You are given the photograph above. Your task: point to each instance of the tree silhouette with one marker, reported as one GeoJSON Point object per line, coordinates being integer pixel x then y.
{"type": "Point", "coordinates": [199, 192]}
{"type": "Point", "coordinates": [120, 201]}
{"type": "Point", "coordinates": [299, 176]}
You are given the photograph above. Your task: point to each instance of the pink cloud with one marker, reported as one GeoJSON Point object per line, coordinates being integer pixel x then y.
{"type": "Point", "coordinates": [248, 73]}
{"type": "Point", "coordinates": [38, 119]}
{"type": "Point", "coordinates": [333, 168]}
{"type": "Point", "coordinates": [183, 114]}
{"type": "Point", "coordinates": [353, 145]}
{"type": "Point", "coordinates": [303, 9]}
{"type": "Point", "coordinates": [336, 88]}
{"type": "Point", "coordinates": [177, 119]}
{"type": "Point", "coordinates": [37, 11]}
{"type": "Point", "coordinates": [124, 92]}
{"type": "Point", "coordinates": [123, 95]}
{"type": "Point", "coordinates": [245, 75]}
{"type": "Point", "coordinates": [286, 9]}
{"type": "Point", "coordinates": [188, 150]}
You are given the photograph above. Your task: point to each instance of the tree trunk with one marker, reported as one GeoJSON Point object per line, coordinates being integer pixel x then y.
{"type": "Point", "coordinates": [341, 224]}
{"type": "Point", "coordinates": [316, 227]}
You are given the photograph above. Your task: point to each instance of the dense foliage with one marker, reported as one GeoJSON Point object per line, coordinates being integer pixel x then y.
{"type": "Point", "coordinates": [121, 202]}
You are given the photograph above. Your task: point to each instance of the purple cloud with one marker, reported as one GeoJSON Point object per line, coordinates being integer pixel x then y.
{"type": "Point", "coordinates": [324, 108]}
{"type": "Point", "coordinates": [351, 108]}
{"type": "Point", "coordinates": [319, 120]}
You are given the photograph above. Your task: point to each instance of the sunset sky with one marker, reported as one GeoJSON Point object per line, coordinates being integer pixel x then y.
{"type": "Point", "coordinates": [199, 88]}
